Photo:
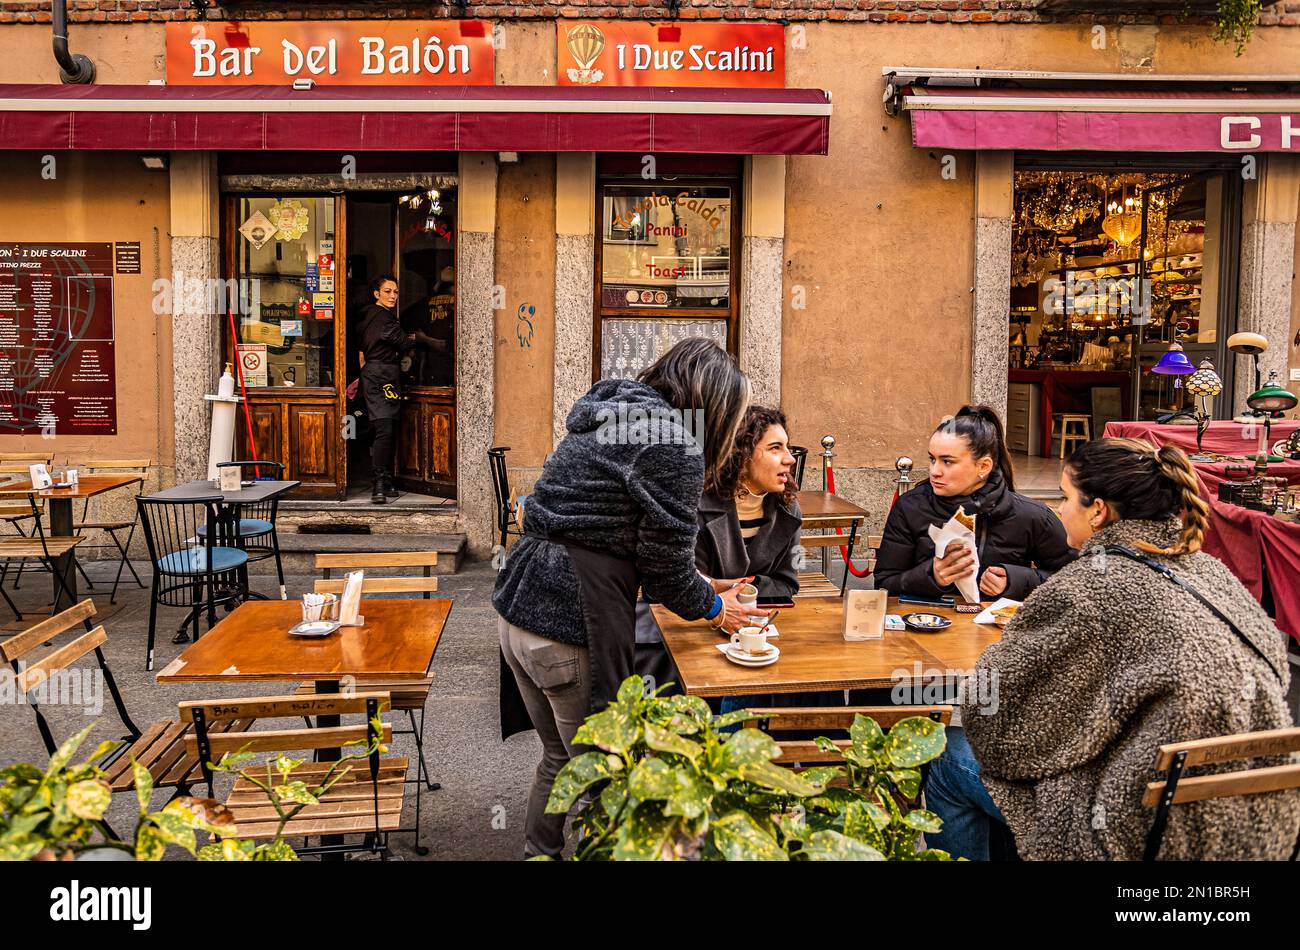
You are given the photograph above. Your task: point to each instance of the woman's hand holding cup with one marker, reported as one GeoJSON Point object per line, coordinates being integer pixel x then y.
{"type": "Point", "coordinates": [737, 614]}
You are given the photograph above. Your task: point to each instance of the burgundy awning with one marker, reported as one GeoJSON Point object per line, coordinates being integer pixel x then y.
{"type": "Point", "coordinates": [1103, 120]}
{"type": "Point", "coordinates": [456, 118]}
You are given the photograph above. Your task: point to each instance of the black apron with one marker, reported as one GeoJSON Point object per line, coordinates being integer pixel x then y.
{"type": "Point", "coordinates": [381, 389]}
{"type": "Point", "coordinates": [607, 586]}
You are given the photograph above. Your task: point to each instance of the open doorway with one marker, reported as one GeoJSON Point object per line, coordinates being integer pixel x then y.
{"type": "Point", "coordinates": [411, 236]}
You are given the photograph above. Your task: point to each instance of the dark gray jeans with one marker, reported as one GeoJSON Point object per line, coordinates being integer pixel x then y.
{"type": "Point", "coordinates": [555, 684]}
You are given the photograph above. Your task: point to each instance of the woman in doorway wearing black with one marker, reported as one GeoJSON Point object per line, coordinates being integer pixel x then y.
{"type": "Point", "coordinates": [383, 343]}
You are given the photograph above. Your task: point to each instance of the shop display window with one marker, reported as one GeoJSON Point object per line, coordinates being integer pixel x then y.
{"type": "Point", "coordinates": [284, 269]}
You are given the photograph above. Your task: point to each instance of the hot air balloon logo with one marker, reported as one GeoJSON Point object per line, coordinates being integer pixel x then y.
{"type": "Point", "coordinates": [585, 44]}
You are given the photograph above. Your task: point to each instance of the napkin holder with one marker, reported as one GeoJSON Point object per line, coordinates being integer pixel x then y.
{"type": "Point", "coordinates": [350, 607]}
{"type": "Point", "coordinates": [40, 476]}
{"type": "Point", "coordinates": [864, 614]}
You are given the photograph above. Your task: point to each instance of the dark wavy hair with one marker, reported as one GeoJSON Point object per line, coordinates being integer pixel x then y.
{"type": "Point", "coordinates": [698, 374]}
{"type": "Point", "coordinates": [1139, 481]}
{"type": "Point", "coordinates": [725, 482]}
{"type": "Point", "coordinates": [981, 427]}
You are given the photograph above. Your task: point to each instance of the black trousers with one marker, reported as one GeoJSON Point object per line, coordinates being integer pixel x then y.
{"type": "Point", "coordinates": [384, 446]}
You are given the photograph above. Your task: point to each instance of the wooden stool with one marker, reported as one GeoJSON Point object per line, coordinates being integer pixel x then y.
{"type": "Point", "coordinates": [1069, 436]}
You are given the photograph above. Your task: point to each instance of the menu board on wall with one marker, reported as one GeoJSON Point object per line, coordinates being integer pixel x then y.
{"type": "Point", "coordinates": [57, 372]}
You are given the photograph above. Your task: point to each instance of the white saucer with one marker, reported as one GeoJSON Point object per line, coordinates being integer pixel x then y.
{"type": "Point", "coordinates": [740, 658]}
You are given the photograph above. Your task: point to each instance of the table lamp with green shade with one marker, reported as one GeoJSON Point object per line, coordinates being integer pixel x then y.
{"type": "Point", "coordinates": [1270, 400]}
{"type": "Point", "coordinates": [1203, 384]}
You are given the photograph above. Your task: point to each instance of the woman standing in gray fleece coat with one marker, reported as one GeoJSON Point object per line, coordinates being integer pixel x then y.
{"type": "Point", "coordinates": [1110, 659]}
{"type": "Point", "coordinates": [614, 510]}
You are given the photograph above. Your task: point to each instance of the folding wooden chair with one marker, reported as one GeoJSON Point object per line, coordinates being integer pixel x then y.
{"type": "Point", "coordinates": [367, 800]}
{"type": "Point", "coordinates": [111, 528]}
{"type": "Point", "coordinates": [15, 511]}
{"type": "Point", "coordinates": [1177, 757]}
{"type": "Point", "coordinates": [409, 696]}
{"type": "Point", "coordinates": [158, 747]}
{"type": "Point", "coordinates": [35, 546]}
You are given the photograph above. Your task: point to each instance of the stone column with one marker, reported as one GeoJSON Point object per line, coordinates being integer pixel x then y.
{"type": "Point", "coordinates": [475, 354]}
{"type": "Point", "coordinates": [575, 259]}
{"type": "Point", "coordinates": [196, 330]}
{"type": "Point", "coordinates": [994, 183]}
{"type": "Point", "coordinates": [761, 271]}
{"type": "Point", "coordinates": [1268, 235]}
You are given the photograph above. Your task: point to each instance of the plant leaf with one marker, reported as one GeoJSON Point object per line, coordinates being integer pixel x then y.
{"type": "Point", "coordinates": [173, 829]}
{"type": "Point", "coordinates": [646, 835]}
{"type": "Point", "coordinates": [821, 775]}
{"type": "Point", "coordinates": [684, 715]}
{"type": "Point", "coordinates": [664, 740]}
{"type": "Point", "coordinates": [104, 748]}
{"type": "Point", "coordinates": [748, 747]}
{"type": "Point", "coordinates": [89, 799]}
{"type": "Point", "coordinates": [915, 741]}
{"type": "Point", "coordinates": [296, 792]}
{"type": "Point", "coordinates": [921, 820]}
{"type": "Point", "coordinates": [866, 732]}
{"type": "Point", "coordinates": [833, 846]}
{"type": "Point", "coordinates": [691, 797]}
{"type": "Point", "coordinates": [907, 781]}
{"type": "Point", "coordinates": [778, 777]}
{"type": "Point", "coordinates": [733, 717]}
{"type": "Point", "coordinates": [143, 785]}
{"type": "Point", "coordinates": [149, 844]}
{"type": "Point", "coordinates": [652, 779]}
{"type": "Point", "coordinates": [613, 729]}
{"type": "Point", "coordinates": [203, 814]}
{"type": "Point", "coordinates": [579, 774]}
{"type": "Point", "coordinates": [613, 795]}
{"type": "Point", "coordinates": [862, 822]}
{"type": "Point", "coordinates": [739, 838]}
{"type": "Point", "coordinates": [63, 755]}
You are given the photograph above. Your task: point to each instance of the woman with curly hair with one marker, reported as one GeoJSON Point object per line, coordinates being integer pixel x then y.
{"type": "Point", "coordinates": [749, 526]}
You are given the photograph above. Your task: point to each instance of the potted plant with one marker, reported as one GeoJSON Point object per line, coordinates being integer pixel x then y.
{"type": "Point", "coordinates": [667, 784]}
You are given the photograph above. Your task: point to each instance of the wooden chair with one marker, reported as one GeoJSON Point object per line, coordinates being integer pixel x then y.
{"type": "Point", "coordinates": [365, 801]}
{"type": "Point", "coordinates": [15, 512]}
{"type": "Point", "coordinates": [409, 696]}
{"type": "Point", "coordinates": [111, 528]}
{"type": "Point", "coordinates": [505, 501]}
{"type": "Point", "coordinates": [27, 458]}
{"type": "Point", "coordinates": [35, 546]}
{"type": "Point", "coordinates": [1177, 757]}
{"type": "Point", "coordinates": [831, 719]}
{"type": "Point", "coordinates": [158, 747]}
{"type": "Point", "coordinates": [1070, 435]}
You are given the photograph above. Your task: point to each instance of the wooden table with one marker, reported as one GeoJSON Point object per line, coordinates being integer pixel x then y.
{"type": "Point", "coordinates": [815, 656]}
{"type": "Point", "coordinates": [397, 643]}
{"type": "Point", "coordinates": [823, 509]}
{"type": "Point", "coordinates": [61, 519]}
{"type": "Point", "coordinates": [253, 644]}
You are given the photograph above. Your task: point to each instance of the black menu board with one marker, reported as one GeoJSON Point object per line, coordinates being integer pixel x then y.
{"type": "Point", "coordinates": [57, 373]}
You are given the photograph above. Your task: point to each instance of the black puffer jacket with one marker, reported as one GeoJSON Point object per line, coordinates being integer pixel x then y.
{"type": "Point", "coordinates": [633, 497]}
{"type": "Point", "coordinates": [1023, 536]}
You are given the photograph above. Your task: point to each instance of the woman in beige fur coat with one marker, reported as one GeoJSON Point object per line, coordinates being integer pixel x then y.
{"type": "Point", "coordinates": [1110, 659]}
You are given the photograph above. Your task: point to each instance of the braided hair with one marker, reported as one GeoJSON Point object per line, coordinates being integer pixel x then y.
{"type": "Point", "coordinates": [1139, 481]}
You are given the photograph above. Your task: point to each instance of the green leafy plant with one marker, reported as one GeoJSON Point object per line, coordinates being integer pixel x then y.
{"type": "Point", "coordinates": [667, 784]}
{"type": "Point", "coordinates": [1235, 22]}
{"type": "Point", "coordinates": [56, 813]}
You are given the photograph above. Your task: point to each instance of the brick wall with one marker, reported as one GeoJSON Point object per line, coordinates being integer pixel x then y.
{"type": "Point", "coordinates": [874, 11]}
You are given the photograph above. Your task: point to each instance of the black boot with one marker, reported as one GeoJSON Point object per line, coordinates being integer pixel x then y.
{"type": "Point", "coordinates": [377, 490]}
{"type": "Point", "coordinates": [390, 490]}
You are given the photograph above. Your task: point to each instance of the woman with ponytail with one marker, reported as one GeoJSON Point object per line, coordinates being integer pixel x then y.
{"type": "Point", "coordinates": [1142, 641]}
{"type": "Point", "coordinates": [1019, 541]}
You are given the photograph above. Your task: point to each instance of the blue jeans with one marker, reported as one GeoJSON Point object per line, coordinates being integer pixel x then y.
{"type": "Point", "coordinates": [954, 792]}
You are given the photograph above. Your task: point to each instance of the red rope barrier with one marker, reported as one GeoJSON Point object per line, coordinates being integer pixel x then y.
{"type": "Point", "coordinates": [844, 550]}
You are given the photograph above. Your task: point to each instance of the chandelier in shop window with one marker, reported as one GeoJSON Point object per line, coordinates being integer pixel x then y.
{"type": "Point", "coordinates": [1123, 224]}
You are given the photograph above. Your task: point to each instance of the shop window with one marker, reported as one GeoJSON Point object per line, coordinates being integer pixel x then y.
{"type": "Point", "coordinates": [667, 269]}
{"type": "Point", "coordinates": [285, 279]}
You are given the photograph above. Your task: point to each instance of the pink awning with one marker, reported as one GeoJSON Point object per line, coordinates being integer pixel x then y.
{"type": "Point", "coordinates": [454, 118]}
{"type": "Point", "coordinates": [1103, 121]}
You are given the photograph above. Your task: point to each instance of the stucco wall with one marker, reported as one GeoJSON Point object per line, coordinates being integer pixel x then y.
{"type": "Point", "coordinates": [104, 197]}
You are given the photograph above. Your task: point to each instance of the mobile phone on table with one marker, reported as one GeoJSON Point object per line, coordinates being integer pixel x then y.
{"type": "Point", "coordinates": [771, 603]}
{"type": "Point", "coordinates": [927, 601]}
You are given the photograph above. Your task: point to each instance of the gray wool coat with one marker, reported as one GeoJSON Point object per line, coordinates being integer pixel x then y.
{"type": "Point", "coordinates": [1107, 661]}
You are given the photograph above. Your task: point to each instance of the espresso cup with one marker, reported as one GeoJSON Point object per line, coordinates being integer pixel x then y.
{"type": "Point", "coordinates": [747, 595]}
{"type": "Point", "coordinates": [750, 639]}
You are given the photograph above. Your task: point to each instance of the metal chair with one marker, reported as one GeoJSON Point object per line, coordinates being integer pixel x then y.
{"type": "Point", "coordinates": [501, 488]}
{"type": "Point", "coordinates": [258, 520]}
{"type": "Point", "coordinates": [111, 528]}
{"type": "Point", "coordinates": [800, 459]}
{"type": "Point", "coordinates": [13, 467]}
{"type": "Point", "coordinates": [187, 563]}
{"type": "Point", "coordinates": [35, 546]}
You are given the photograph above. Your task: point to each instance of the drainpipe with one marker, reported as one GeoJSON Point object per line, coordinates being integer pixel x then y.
{"type": "Point", "coordinates": [73, 68]}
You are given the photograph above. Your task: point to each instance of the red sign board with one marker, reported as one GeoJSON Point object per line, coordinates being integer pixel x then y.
{"type": "Point", "coordinates": [746, 55]}
{"type": "Point", "coordinates": [57, 372]}
{"type": "Point", "coordinates": [331, 52]}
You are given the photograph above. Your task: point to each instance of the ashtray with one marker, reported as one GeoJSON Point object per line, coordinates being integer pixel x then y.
{"type": "Point", "coordinates": [926, 623]}
{"type": "Point", "coordinates": [314, 628]}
